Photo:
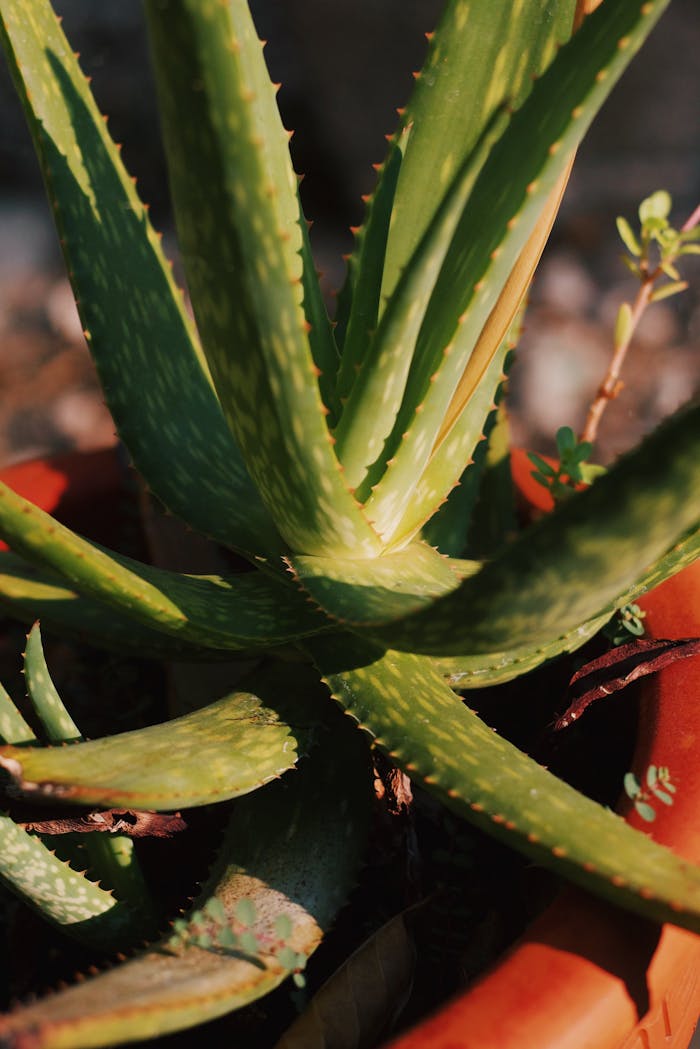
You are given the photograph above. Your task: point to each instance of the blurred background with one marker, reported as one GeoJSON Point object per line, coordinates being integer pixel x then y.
{"type": "Point", "coordinates": [345, 66]}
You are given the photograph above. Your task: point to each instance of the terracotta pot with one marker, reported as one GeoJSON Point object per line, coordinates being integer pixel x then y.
{"type": "Point", "coordinates": [84, 490]}
{"type": "Point", "coordinates": [586, 975]}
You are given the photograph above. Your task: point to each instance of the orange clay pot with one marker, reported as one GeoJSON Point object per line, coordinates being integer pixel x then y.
{"type": "Point", "coordinates": [82, 489]}
{"type": "Point", "coordinates": [586, 975]}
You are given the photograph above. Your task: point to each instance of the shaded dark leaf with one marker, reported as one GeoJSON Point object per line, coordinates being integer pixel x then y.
{"type": "Point", "coordinates": [362, 998]}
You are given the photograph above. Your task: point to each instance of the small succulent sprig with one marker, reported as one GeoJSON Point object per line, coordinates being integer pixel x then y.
{"type": "Point", "coordinates": [657, 786]}
{"type": "Point", "coordinates": [654, 252]}
{"type": "Point", "coordinates": [212, 929]}
{"type": "Point", "coordinates": [570, 471]}
{"type": "Point", "coordinates": [628, 622]}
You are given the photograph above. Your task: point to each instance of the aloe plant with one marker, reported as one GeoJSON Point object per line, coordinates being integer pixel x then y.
{"type": "Point", "coordinates": [341, 461]}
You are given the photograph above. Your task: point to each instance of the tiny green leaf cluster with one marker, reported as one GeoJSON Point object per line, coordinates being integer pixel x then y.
{"type": "Point", "coordinates": [571, 469]}
{"type": "Point", "coordinates": [657, 246]}
{"type": "Point", "coordinates": [657, 785]}
{"type": "Point", "coordinates": [211, 929]}
{"type": "Point", "coordinates": [627, 622]}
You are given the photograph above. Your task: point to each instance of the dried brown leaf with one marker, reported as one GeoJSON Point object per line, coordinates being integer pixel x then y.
{"type": "Point", "coordinates": [620, 667]}
{"type": "Point", "coordinates": [133, 823]}
{"type": "Point", "coordinates": [362, 998]}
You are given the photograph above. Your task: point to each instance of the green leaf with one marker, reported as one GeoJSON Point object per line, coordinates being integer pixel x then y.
{"type": "Point", "coordinates": [627, 236]}
{"type": "Point", "coordinates": [666, 290]}
{"type": "Point", "coordinates": [13, 727]}
{"type": "Point", "coordinates": [495, 668]}
{"type": "Point", "coordinates": [63, 896]}
{"type": "Point", "coordinates": [657, 207]}
{"type": "Point", "coordinates": [245, 912]}
{"type": "Point", "coordinates": [111, 858]}
{"type": "Point", "coordinates": [513, 189]}
{"type": "Point", "coordinates": [486, 485]}
{"type": "Point", "coordinates": [156, 386]}
{"type": "Point", "coordinates": [446, 748]}
{"type": "Point", "coordinates": [544, 468]}
{"type": "Point", "coordinates": [571, 565]}
{"type": "Point", "coordinates": [28, 592]}
{"type": "Point", "coordinates": [369, 591]}
{"type": "Point", "coordinates": [293, 849]}
{"type": "Point", "coordinates": [455, 96]}
{"type": "Point", "coordinates": [242, 248]}
{"type": "Point", "coordinates": [283, 926]}
{"type": "Point", "coordinates": [459, 445]}
{"type": "Point", "coordinates": [358, 302]}
{"type": "Point", "coordinates": [247, 738]}
{"type": "Point", "coordinates": [321, 335]}
{"type": "Point", "coordinates": [48, 705]}
{"type": "Point", "coordinates": [645, 811]}
{"type": "Point", "coordinates": [378, 388]}
{"type": "Point", "coordinates": [236, 612]}
{"type": "Point", "coordinates": [566, 440]}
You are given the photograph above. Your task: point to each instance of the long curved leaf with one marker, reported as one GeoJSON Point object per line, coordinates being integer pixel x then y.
{"type": "Point", "coordinates": [515, 185]}
{"type": "Point", "coordinates": [591, 553]}
{"type": "Point", "coordinates": [28, 592]}
{"type": "Point", "coordinates": [291, 852]}
{"type": "Point", "coordinates": [378, 388]}
{"type": "Point", "coordinates": [374, 590]}
{"type": "Point", "coordinates": [156, 386]}
{"type": "Point", "coordinates": [237, 612]}
{"type": "Point", "coordinates": [445, 747]}
{"type": "Point", "coordinates": [220, 751]}
{"type": "Point", "coordinates": [242, 245]}
{"type": "Point", "coordinates": [483, 54]}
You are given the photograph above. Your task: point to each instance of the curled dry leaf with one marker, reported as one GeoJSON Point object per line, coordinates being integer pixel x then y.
{"type": "Point", "coordinates": [363, 998]}
{"type": "Point", "coordinates": [113, 821]}
{"type": "Point", "coordinates": [620, 667]}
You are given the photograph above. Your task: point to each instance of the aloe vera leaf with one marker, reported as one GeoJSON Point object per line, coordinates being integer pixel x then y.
{"type": "Point", "coordinates": [157, 388]}
{"type": "Point", "coordinates": [459, 446]}
{"type": "Point", "coordinates": [46, 702]}
{"type": "Point", "coordinates": [482, 518]}
{"type": "Point", "coordinates": [474, 671]}
{"type": "Point", "coordinates": [235, 612]}
{"type": "Point", "coordinates": [495, 668]}
{"type": "Point", "coordinates": [482, 54]}
{"type": "Point", "coordinates": [65, 897]}
{"type": "Point", "coordinates": [515, 184]}
{"type": "Point", "coordinates": [494, 521]}
{"type": "Point", "coordinates": [291, 849]}
{"type": "Point", "coordinates": [377, 390]}
{"type": "Point", "coordinates": [13, 727]}
{"type": "Point", "coordinates": [321, 334]}
{"type": "Point", "coordinates": [449, 527]}
{"type": "Point", "coordinates": [445, 747]}
{"type": "Point", "coordinates": [221, 751]}
{"type": "Point", "coordinates": [28, 592]}
{"type": "Point", "coordinates": [358, 301]}
{"type": "Point", "coordinates": [112, 858]}
{"type": "Point", "coordinates": [241, 246]}
{"type": "Point", "coordinates": [45, 882]}
{"type": "Point", "coordinates": [584, 558]}
{"type": "Point", "coordinates": [377, 589]}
